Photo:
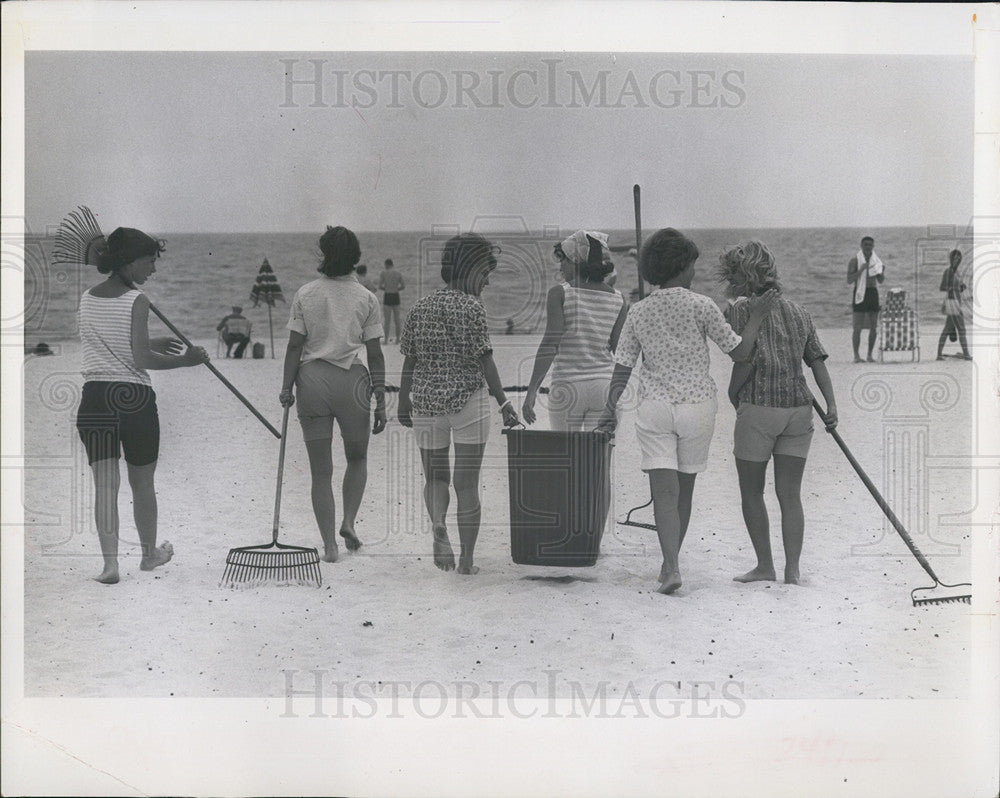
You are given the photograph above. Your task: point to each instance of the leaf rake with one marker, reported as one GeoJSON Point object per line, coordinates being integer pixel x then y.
{"type": "Point", "coordinates": [273, 563]}
{"type": "Point", "coordinates": [926, 595]}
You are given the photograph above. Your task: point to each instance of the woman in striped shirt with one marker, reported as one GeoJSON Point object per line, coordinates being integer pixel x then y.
{"type": "Point", "coordinates": [583, 320]}
{"type": "Point", "coordinates": [118, 406]}
{"type": "Point", "coordinates": [773, 405]}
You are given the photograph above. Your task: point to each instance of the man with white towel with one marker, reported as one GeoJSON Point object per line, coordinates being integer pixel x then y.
{"type": "Point", "coordinates": [865, 271]}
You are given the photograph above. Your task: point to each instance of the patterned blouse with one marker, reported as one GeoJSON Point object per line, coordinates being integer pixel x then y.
{"type": "Point", "coordinates": [447, 335]}
{"type": "Point", "coordinates": [670, 329]}
{"type": "Point", "coordinates": [786, 340]}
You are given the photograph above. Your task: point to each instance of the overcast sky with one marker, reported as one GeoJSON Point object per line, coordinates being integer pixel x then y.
{"type": "Point", "coordinates": [187, 142]}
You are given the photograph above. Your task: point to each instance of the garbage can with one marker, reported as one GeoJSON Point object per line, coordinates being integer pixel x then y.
{"type": "Point", "coordinates": [559, 495]}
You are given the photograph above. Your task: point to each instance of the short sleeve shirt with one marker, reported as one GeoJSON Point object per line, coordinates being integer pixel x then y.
{"type": "Point", "coordinates": [447, 335]}
{"type": "Point", "coordinates": [787, 339]}
{"type": "Point", "coordinates": [336, 315]}
{"type": "Point", "coordinates": [670, 329]}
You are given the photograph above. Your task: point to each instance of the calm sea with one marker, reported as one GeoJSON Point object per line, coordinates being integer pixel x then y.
{"type": "Point", "coordinates": [201, 275]}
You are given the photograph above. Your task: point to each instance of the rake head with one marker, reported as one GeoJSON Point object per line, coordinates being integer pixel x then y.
{"type": "Point", "coordinates": [272, 564]}
{"type": "Point", "coordinates": [927, 597]}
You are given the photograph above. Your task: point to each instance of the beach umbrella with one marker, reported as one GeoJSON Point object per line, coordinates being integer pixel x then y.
{"type": "Point", "coordinates": [267, 289]}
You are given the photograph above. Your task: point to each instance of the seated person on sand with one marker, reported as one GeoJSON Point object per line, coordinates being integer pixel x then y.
{"type": "Point", "coordinates": [444, 392]}
{"type": "Point", "coordinates": [773, 405]}
{"type": "Point", "coordinates": [332, 319]}
{"type": "Point", "coordinates": [235, 329]}
{"type": "Point", "coordinates": [118, 405]}
{"type": "Point", "coordinates": [675, 418]}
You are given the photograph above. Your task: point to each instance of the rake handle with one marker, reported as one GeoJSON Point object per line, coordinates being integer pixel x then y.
{"type": "Point", "coordinates": [216, 372]}
{"type": "Point", "coordinates": [897, 525]}
{"type": "Point", "coordinates": [638, 235]}
{"type": "Point", "coordinates": [281, 472]}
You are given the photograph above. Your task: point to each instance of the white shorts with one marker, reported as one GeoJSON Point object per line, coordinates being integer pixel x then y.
{"type": "Point", "coordinates": [471, 424]}
{"type": "Point", "coordinates": [577, 406]}
{"type": "Point", "coordinates": [675, 436]}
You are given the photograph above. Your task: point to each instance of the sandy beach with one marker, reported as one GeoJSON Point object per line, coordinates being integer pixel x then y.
{"type": "Point", "coordinates": [387, 614]}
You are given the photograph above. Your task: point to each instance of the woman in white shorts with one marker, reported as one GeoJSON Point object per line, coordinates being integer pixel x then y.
{"type": "Point", "coordinates": [676, 414]}
{"type": "Point", "coordinates": [448, 377]}
{"type": "Point", "coordinates": [332, 319]}
{"type": "Point", "coordinates": [773, 406]}
{"type": "Point", "coordinates": [583, 320]}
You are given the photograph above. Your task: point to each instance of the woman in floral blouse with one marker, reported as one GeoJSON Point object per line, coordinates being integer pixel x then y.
{"type": "Point", "coordinates": [448, 377]}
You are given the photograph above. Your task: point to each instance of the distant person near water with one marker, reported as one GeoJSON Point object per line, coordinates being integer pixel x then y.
{"type": "Point", "coordinates": [235, 329]}
{"type": "Point", "coordinates": [118, 405]}
{"type": "Point", "coordinates": [773, 405]}
{"type": "Point", "coordinates": [954, 322]}
{"type": "Point", "coordinates": [332, 319]}
{"type": "Point", "coordinates": [583, 318]}
{"type": "Point", "coordinates": [865, 271]}
{"type": "Point", "coordinates": [444, 393]}
{"type": "Point", "coordinates": [362, 272]}
{"type": "Point", "coordinates": [391, 282]}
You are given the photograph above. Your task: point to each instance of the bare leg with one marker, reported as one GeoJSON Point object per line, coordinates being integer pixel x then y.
{"type": "Point", "coordinates": [959, 322]}
{"type": "Point", "coordinates": [107, 480]}
{"type": "Point", "coordinates": [386, 318]}
{"type": "Point", "coordinates": [324, 505]}
{"type": "Point", "coordinates": [948, 327]}
{"type": "Point", "coordinates": [144, 510]}
{"type": "Point", "coordinates": [468, 461]}
{"type": "Point", "coordinates": [788, 486]}
{"type": "Point", "coordinates": [355, 479]}
{"type": "Point", "coordinates": [665, 488]}
{"type": "Point", "coordinates": [872, 335]}
{"type": "Point", "coordinates": [752, 476]}
{"type": "Point", "coordinates": [856, 337]}
{"type": "Point", "coordinates": [437, 485]}
{"type": "Point", "coordinates": [684, 497]}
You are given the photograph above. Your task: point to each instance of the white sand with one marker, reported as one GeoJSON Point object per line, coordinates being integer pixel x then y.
{"type": "Point", "coordinates": [385, 613]}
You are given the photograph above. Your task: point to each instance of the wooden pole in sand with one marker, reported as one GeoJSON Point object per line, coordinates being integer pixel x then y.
{"type": "Point", "coordinates": [270, 326]}
{"type": "Point", "coordinates": [638, 236]}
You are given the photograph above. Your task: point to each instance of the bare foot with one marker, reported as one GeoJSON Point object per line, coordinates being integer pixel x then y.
{"type": "Point", "coordinates": [857, 359]}
{"type": "Point", "coordinates": [791, 576]}
{"type": "Point", "coordinates": [161, 555]}
{"type": "Point", "coordinates": [466, 568]}
{"type": "Point", "coordinates": [444, 557]}
{"type": "Point", "coordinates": [670, 584]}
{"type": "Point", "coordinates": [350, 539]}
{"type": "Point", "coordinates": [109, 576]}
{"type": "Point", "coordinates": [330, 552]}
{"type": "Point", "coordinates": [871, 359]}
{"type": "Point", "coordinates": [758, 574]}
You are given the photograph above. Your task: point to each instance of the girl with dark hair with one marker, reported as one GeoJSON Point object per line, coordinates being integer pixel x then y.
{"type": "Point", "coordinates": [954, 322]}
{"type": "Point", "coordinates": [584, 317]}
{"type": "Point", "coordinates": [332, 319]}
{"type": "Point", "coordinates": [448, 377]}
{"type": "Point", "coordinates": [118, 405]}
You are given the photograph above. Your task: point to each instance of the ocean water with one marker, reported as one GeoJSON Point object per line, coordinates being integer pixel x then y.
{"type": "Point", "coordinates": [201, 275]}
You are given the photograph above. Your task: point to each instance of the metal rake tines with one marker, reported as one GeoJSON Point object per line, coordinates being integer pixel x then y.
{"type": "Point", "coordinates": [76, 234]}
{"type": "Point", "coordinates": [954, 598]}
{"type": "Point", "coordinates": [249, 567]}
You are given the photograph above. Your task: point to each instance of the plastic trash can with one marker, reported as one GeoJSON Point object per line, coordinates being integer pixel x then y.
{"type": "Point", "coordinates": [559, 496]}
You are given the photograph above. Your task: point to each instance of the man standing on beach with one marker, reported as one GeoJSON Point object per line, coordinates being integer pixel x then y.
{"type": "Point", "coordinates": [391, 282]}
{"type": "Point", "coordinates": [864, 271]}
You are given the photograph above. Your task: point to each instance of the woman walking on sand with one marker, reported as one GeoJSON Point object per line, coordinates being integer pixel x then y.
{"type": "Point", "coordinates": [773, 405]}
{"type": "Point", "coordinates": [448, 377]}
{"type": "Point", "coordinates": [118, 405]}
{"type": "Point", "coordinates": [332, 319]}
{"type": "Point", "coordinates": [583, 319]}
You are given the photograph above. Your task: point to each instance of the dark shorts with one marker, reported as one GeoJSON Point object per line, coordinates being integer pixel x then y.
{"type": "Point", "coordinates": [391, 300]}
{"type": "Point", "coordinates": [870, 303]}
{"type": "Point", "coordinates": [119, 415]}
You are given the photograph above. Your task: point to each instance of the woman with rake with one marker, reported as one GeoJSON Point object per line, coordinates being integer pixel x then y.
{"type": "Point", "coordinates": [332, 319]}
{"type": "Point", "coordinates": [118, 405]}
{"type": "Point", "coordinates": [773, 405]}
{"type": "Point", "coordinates": [448, 377]}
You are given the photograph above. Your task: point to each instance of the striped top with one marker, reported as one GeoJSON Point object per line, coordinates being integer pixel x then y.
{"type": "Point", "coordinates": [786, 340]}
{"type": "Point", "coordinates": [106, 334]}
{"type": "Point", "coordinates": [585, 347]}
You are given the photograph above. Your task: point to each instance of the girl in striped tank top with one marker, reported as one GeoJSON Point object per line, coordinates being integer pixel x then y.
{"type": "Point", "coordinates": [118, 406]}
{"type": "Point", "coordinates": [583, 320]}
